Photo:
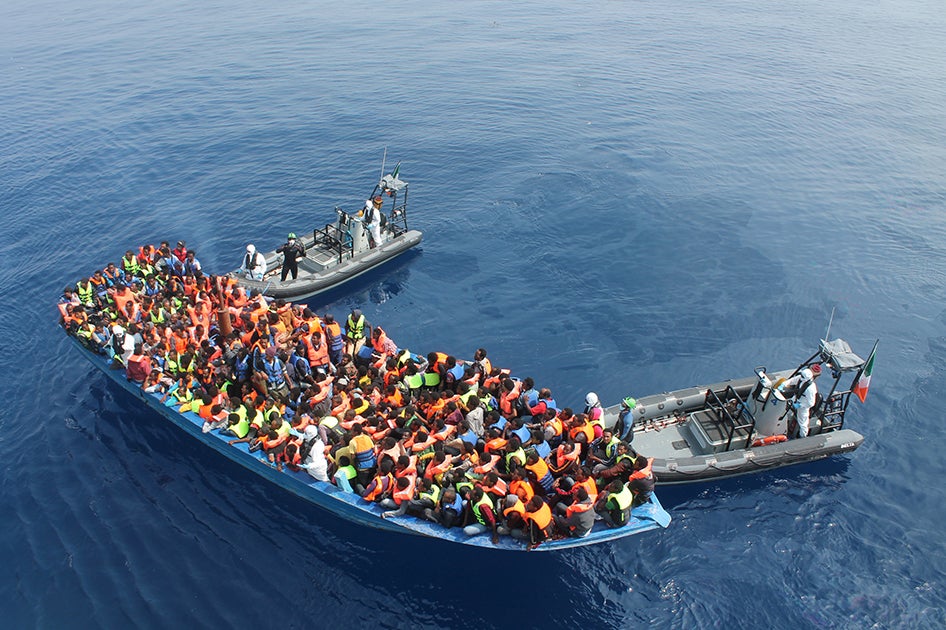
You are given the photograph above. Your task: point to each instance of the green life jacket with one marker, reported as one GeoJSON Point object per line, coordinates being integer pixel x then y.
{"type": "Point", "coordinates": [520, 454]}
{"type": "Point", "coordinates": [85, 294]}
{"type": "Point", "coordinates": [242, 427]}
{"type": "Point", "coordinates": [349, 472]}
{"type": "Point", "coordinates": [622, 499]}
{"type": "Point", "coordinates": [478, 505]}
{"type": "Point", "coordinates": [131, 266]}
{"type": "Point", "coordinates": [611, 446]}
{"type": "Point", "coordinates": [356, 330]}
{"type": "Point", "coordinates": [414, 381]}
{"type": "Point", "coordinates": [433, 494]}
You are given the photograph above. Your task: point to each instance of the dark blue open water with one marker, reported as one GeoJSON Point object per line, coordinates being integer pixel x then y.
{"type": "Point", "coordinates": [628, 197]}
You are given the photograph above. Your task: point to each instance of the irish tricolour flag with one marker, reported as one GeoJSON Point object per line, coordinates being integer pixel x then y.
{"type": "Point", "coordinates": [863, 381]}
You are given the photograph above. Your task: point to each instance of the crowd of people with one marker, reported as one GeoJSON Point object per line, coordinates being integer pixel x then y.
{"type": "Point", "coordinates": [460, 443]}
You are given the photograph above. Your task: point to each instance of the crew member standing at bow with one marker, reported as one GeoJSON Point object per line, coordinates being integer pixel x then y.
{"type": "Point", "coordinates": [292, 251]}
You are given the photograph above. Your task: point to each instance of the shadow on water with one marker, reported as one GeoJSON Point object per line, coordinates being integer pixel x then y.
{"type": "Point", "coordinates": [376, 286]}
{"type": "Point", "coordinates": [826, 474]}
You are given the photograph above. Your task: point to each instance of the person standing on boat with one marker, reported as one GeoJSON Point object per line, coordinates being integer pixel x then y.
{"type": "Point", "coordinates": [371, 216]}
{"type": "Point", "coordinates": [357, 330]}
{"type": "Point", "coordinates": [292, 250]}
{"type": "Point", "coordinates": [806, 393]}
{"type": "Point", "coordinates": [254, 263]}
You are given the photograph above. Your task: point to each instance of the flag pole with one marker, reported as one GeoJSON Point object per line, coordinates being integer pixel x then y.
{"type": "Point", "coordinates": [827, 333]}
{"type": "Point", "coordinates": [383, 160]}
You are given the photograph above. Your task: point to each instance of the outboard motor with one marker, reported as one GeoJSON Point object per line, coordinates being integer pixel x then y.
{"type": "Point", "coordinates": [767, 406]}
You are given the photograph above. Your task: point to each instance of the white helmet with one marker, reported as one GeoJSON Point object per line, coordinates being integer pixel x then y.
{"type": "Point", "coordinates": [591, 399]}
{"type": "Point", "coordinates": [806, 375]}
{"type": "Point", "coordinates": [250, 248]}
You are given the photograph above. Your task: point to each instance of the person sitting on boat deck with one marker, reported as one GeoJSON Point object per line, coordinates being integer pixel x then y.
{"type": "Point", "coordinates": [371, 216]}
{"type": "Point", "coordinates": [191, 264]}
{"type": "Point", "coordinates": [313, 454]}
{"type": "Point", "coordinates": [577, 518]}
{"type": "Point", "coordinates": [622, 468]}
{"type": "Point", "coordinates": [480, 512]}
{"type": "Point", "coordinates": [121, 346]}
{"type": "Point", "coordinates": [254, 263]}
{"type": "Point", "coordinates": [614, 504]}
{"type": "Point", "coordinates": [806, 394]}
{"type": "Point", "coordinates": [449, 510]}
{"type": "Point", "coordinates": [180, 252]}
{"type": "Point", "coordinates": [382, 485]}
{"type": "Point", "coordinates": [277, 377]}
{"type": "Point", "coordinates": [642, 481]}
{"type": "Point", "coordinates": [539, 517]}
{"type": "Point", "coordinates": [604, 450]}
{"type": "Point", "coordinates": [292, 250]}
{"type": "Point", "coordinates": [595, 412]}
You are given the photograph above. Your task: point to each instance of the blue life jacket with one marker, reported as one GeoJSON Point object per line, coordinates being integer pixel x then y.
{"type": "Point", "coordinates": [274, 372]}
{"type": "Point", "coordinates": [242, 367]}
{"type": "Point", "coordinates": [457, 372]}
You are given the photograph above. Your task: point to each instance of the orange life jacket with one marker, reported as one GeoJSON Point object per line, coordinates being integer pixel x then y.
{"type": "Point", "coordinates": [541, 517]}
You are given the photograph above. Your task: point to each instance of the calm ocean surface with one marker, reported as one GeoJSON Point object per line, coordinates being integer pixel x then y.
{"type": "Point", "coordinates": [625, 197]}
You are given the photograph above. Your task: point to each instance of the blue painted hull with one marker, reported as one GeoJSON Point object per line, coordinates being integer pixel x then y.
{"type": "Point", "coordinates": [350, 506]}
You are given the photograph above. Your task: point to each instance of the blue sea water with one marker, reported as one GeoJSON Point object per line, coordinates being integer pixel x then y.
{"type": "Point", "coordinates": [625, 197]}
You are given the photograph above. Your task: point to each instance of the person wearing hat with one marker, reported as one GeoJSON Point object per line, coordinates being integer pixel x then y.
{"type": "Point", "coordinates": [624, 427]}
{"type": "Point", "coordinates": [254, 263]}
{"type": "Point", "coordinates": [371, 216]}
{"type": "Point", "coordinates": [806, 393]}
{"type": "Point", "coordinates": [292, 250]}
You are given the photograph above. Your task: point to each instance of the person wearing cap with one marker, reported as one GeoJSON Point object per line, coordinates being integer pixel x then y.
{"type": "Point", "coordinates": [292, 251]}
{"type": "Point", "coordinates": [624, 427]}
{"type": "Point", "coordinates": [254, 263]}
{"type": "Point", "coordinates": [806, 392]}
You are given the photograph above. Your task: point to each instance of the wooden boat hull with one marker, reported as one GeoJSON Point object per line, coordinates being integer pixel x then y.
{"type": "Point", "coordinates": [349, 506]}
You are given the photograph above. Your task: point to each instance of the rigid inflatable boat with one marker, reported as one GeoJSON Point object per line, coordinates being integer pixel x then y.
{"type": "Point", "coordinates": [741, 426]}
{"type": "Point", "coordinates": [342, 250]}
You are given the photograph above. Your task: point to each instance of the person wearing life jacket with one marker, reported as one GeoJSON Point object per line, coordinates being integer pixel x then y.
{"type": "Point", "coordinates": [277, 378]}
{"type": "Point", "coordinates": [805, 396]}
{"type": "Point", "coordinates": [192, 266]}
{"type": "Point", "coordinates": [254, 264]}
{"type": "Point", "coordinates": [540, 473]}
{"type": "Point", "coordinates": [520, 484]}
{"type": "Point", "coordinates": [129, 263]}
{"type": "Point", "coordinates": [333, 339]}
{"type": "Point", "coordinates": [400, 500]}
{"type": "Point", "coordinates": [346, 477]}
{"type": "Point", "coordinates": [426, 500]}
{"type": "Point", "coordinates": [382, 485]}
{"type": "Point", "coordinates": [86, 293]}
{"type": "Point", "coordinates": [538, 515]}
{"type": "Point", "coordinates": [138, 365]}
{"type": "Point", "coordinates": [595, 413]}
{"type": "Point", "coordinates": [622, 468]}
{"type": "Point", "coordinates": [642, 480]}
{"type": "Point", "coordinates": [381, 343]}
{"type": "Point", "coordinates": [544, 402]}
{"type": "Point", "coordinates": [614, 504]}
{"type": "Point", "coordinates": [578, 518]}
{"type": "Point", "coordinates": [363, 449]}
{"type": "Point", "coordinates": [493, 486]}
{"type": "Point", "coordinates": [449, 510]}
{"type": "Point", "coordinates": [356, 331]}
{"type": "Point", "coordinates": [508, 400]}
{"type": "Point", "coordinates": [604, 450]}
{"type": "Point", "coordinates": [482, 365]}
{"type": "Point", "coordinates": [513, 517]}
{"type": "Point", "coordinates": [565, 457]}
{"type": "Point", "coordinates": [480, 512]}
